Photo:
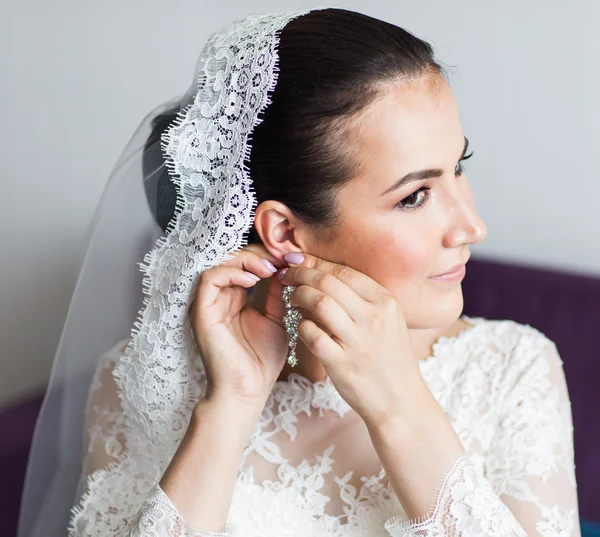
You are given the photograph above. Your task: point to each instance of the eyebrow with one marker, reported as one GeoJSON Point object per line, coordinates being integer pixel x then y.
{"type": "Point", "coordinates": [421, 174]}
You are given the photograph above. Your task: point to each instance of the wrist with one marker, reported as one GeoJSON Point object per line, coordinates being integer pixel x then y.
{"type": "Point", "coordinates": [220, 409]}
{"type": "Point", "coordinates": [425, 423]}
{"type": "Point", "coordinates": [417, 407]}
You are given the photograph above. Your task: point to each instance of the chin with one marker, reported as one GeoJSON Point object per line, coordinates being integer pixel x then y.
{"type": "Point", "coordinates": [438, 313]}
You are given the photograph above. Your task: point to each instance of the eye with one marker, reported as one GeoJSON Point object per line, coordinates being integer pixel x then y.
{"type": "Point", "coordinates": [410, 203]}
{"type": "Point", "coordinates": [460, 170]}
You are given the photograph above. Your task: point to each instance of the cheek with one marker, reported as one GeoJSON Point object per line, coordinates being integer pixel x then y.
{"type": "Point", "coordinates": [407, 258]}
{"type": "Point", "coordinates": [394, 259]}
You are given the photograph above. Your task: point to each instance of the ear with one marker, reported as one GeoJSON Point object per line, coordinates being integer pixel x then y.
{"type": "Point", "coordinates": [279, 230]}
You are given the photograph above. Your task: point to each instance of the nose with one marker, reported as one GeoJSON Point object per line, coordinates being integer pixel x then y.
{"type": "Point", "coordinates": [467, 226]}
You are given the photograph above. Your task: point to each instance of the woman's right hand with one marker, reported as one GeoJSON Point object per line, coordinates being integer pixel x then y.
{"type": "Point", "coordinates": [243, 351]}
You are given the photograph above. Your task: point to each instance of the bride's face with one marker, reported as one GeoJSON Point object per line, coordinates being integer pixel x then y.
{"type": "Point", "coordinates": [402, 236]}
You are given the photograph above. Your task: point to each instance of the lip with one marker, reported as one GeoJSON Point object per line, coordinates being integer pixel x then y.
{"type": "Point", "coordinates": [456, 273]}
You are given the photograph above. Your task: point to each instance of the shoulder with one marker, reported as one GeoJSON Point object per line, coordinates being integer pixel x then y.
{"type": "Point", "coordinates": [513, 349]}
{"type": "Point", "coordinates": [118, 348]}
{"type": "Point", "coordinates": [529, 370]}
{"type": "Point", "coordinates": [509, 334]}
{"type": "Point", "coordinates": [106, 364]}
{"type": "Point", "coordinates": [112, 355]}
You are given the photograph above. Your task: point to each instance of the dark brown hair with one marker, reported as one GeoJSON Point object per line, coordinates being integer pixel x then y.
{"type": "Point", "coordinates": [332, 64]}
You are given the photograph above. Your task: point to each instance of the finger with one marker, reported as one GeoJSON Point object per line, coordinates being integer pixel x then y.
{"type": "Point", "coordinates": [364, 286]}
{"type": "Point", "coordinates": [319, 343]}
{"type": "Point", "coordinates": [349, 301]}
{"type": "Point", "coordinates": [250, 261]}
{"type": "Point", "coordinates": [252, 250]}
{"type": "Point", "coordinates": [214, 279]}
{"type": "Point", "coordinates": [326, 312]}
{"type": "Point", "coordinates": [275, 308]}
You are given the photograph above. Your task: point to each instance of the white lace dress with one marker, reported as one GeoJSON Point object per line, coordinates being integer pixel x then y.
{"type": "Point", "coordinates": [310, 470]}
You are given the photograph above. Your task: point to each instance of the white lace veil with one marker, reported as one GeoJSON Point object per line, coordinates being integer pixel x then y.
{"type": "Point", "coordinates": [137, 280]}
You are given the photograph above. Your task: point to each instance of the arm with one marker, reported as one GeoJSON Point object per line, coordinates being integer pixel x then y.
{"type": "Point", "coordinates": [201, 476]}
{"type": "Point", "coordinates": [531, 463]}
{"type": "Point", "coordinates": [195, 491]}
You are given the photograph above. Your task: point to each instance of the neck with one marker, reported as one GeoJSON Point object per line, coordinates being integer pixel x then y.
{"type": "Point", "coordinates": [308, 365]}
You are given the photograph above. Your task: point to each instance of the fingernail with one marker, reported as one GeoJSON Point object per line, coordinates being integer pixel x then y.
{"type": "Point", "coordinates": [282, 273]}
{"type": "Point", "coordinates": [254, 276]}
{"type": "Point", "coordinates": [269, 265]}
{"type": "Point", "coordinates": [294, 258]}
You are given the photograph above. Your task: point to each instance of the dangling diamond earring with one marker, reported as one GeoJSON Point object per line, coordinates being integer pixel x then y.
{"type": "Point", "coordinates": [291, 320]}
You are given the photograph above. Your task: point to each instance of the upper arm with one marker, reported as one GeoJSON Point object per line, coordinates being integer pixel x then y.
{"type": "Point", "coordinates": [531, 460]}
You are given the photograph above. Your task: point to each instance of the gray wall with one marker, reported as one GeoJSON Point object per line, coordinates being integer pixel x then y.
{"type": "Point", "coordinates": [77, 77]}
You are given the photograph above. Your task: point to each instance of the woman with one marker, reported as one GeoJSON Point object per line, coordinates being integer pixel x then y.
{"type": "Point", "coordinates": [393, 414]}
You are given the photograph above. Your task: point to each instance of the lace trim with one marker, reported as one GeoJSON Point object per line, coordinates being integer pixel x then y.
{"type": "Point", "coordinates": [464, 504]}
{"type": "Point", "coordinates": [161, 376]}
{"type": "Point", "coordinates": [158, 511]}
{"type": "Point", "coordinates": [397, 524]}
{"type": "Point", "coordinates": [444, 347]}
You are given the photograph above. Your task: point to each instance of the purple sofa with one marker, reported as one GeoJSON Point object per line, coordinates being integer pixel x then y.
{"type": "Point", "coordinates": [564, 306]}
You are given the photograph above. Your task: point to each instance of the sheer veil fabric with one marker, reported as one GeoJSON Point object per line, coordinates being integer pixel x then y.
{"type": "Point", "coordinates": [136, 280]}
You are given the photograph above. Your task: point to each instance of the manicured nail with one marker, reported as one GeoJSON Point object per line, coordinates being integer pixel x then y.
{"type": "Point", "coordinates": [294, 258]}
{"type": "Point", "coordinates": [253, 276]}
{"type": "Point", "coordinates": [269, 265]}
{"type": "Point", "coordinates": [282, 273]}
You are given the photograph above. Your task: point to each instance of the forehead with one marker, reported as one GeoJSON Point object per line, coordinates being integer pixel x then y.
{"type": "Point", "coordinates": [414, 125]}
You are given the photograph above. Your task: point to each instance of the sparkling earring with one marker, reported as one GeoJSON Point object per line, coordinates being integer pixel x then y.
{"type": "Point", "coordinates": [291, 320]}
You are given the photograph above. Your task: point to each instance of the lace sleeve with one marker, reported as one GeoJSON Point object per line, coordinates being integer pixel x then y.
{"type": "Point", "coordinates": [112, 505]}
{"type": "Point", "coordinates": [529, 487]}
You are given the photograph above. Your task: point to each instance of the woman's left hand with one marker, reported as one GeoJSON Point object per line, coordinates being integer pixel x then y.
{"type": "Point", "coordinates": [357, 329]}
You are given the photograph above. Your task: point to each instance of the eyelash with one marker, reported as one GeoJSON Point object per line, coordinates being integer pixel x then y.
{"type": "Point", "coordinates": [400, 206]}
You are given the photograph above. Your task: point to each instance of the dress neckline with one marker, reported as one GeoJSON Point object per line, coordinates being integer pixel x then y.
{"type": "Point", "coordinates": [323, 395]}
